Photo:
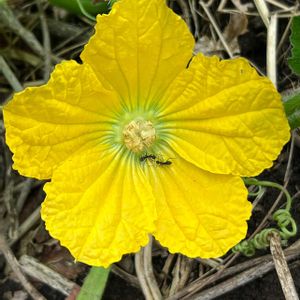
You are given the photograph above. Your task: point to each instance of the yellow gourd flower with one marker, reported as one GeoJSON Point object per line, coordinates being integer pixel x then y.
{"type": "Point", "coordinates": [142, 138]}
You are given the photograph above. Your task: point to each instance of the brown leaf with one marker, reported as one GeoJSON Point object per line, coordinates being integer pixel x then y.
{"type": "Point", "coordinates": [238, 25]}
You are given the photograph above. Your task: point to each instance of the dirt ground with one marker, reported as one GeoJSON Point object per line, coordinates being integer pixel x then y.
{"type": "Point", "coordinates": [245, 34]}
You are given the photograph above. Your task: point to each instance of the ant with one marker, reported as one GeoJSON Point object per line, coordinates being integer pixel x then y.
{"type": "Point", "coordinates": [147, 156]}
{"type": "Point", "coordinates": [153, 157]}
{"type": "Point", "coordinates": [163, 163]}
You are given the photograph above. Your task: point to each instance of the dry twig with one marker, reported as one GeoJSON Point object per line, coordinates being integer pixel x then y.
{"type": "Point", "coordinates": [46, 41]}
{"type": "Point", "coordinates": [282, 269]}
{"type": "Point", "coordinates": [144, 270]}
{"type": "Point", "coordinates": [271, 49]}
{"type": "Point", "coordinates": [37, 270]}
{"type": "Point", "coordinates": [9, 75]}
{"type": "Point", "coordinates": [216, 27]}
{"type": "Point", "coordinates": [14, 264]}
{"type": "Point", "coordinates": [8, 19]}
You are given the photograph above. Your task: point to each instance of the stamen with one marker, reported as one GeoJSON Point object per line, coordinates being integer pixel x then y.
{"type": "Point", "coordinates": [139, 135]}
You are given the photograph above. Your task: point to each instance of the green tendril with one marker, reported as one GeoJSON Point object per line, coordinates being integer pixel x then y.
{"type": "Point", "coordinates": [253, 181]}
{"type": "Point", "coordinates": [287, 227]}
{"type": "Point", "coordinates": [257, 193]}
{"type": "Point", "coordinates": [84, 12]}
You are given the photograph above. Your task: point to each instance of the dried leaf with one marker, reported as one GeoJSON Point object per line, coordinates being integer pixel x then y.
{"type": "Point", "coordinates": [238, 25]}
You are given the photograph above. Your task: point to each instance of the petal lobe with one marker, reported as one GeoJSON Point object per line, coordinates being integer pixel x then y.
{"type": "Point", "coordinates": [105, 211]}
{"type": "Point", "coordinates": [45, 125]}
{"type": "Point", "coordinates": [200, 214]}
{"type": "Point", "coordinates": [225, 118]}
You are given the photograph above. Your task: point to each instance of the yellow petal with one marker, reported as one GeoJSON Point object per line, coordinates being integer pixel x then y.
{"type": "Point", "coordinates": [224, 117]}
{"type": "Point", "coordinates": [100, 206]}
{"type": "Point", "coordinates": [45, 125]}
{"type": "Point", "coordinates": [200, 214]}
{"type": "Point", "coordinates": [139, 48]}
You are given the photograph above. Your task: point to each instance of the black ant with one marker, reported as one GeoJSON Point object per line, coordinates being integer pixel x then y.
{"type": "Point", "coordinates": [153, 157]}
{"type": "Point", "coordinates": [163, 163]}
{"type": "Point", "coordinates": [147, 156]}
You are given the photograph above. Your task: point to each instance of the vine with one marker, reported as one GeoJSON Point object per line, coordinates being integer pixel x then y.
{"type": "Point", "coordinates": [287, 227]}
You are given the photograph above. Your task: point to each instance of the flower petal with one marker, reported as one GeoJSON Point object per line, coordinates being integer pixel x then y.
{"type": "Point", "coordinates": [139, 48]}
{"type": "Point", "coordinates": [226, 118]}
{"type": "Point", "coordinates": [45, 125]}
{"type": "Point", "coordinates": [200, 214]}
{"type": "Point", "coordinates": [106, 209]}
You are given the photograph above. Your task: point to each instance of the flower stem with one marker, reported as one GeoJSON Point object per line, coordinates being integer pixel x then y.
{"type": "Point", "coordinates": [94, 284]}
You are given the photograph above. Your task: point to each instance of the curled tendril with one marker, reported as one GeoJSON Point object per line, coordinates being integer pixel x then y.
{"type": "Point", "coordinates": [285, 220]}
{"type": "Point", "coordinates": [257, 193]}
{"type": "Point", "coordinates": [287, 227]}
{"type": "Point", "coordinates": [260, 241]}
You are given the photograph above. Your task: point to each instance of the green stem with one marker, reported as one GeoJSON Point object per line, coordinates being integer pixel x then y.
{"type": "Point", "coordinates": [94, 284]}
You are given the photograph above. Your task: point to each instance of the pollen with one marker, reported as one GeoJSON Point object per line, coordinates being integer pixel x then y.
{"type": "Point", "coordinates": [139, 135]}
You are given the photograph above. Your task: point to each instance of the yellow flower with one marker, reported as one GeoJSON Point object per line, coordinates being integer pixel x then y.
{"type": "Point", "coordinates": [135, 142]}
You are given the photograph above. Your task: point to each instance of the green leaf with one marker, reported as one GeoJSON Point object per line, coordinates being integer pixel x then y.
{"type": "Point", "coordinates": [89, 7]}
{"type": "Point", "coordinates": [94, 284]}
{"type": "Point", "coordinates": [294, 60]}
{"type": "Point", "coordinates": [292, 110]}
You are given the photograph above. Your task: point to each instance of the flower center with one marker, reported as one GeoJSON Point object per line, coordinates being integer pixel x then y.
{"type": "Point", "coordinates": [138, 135]}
